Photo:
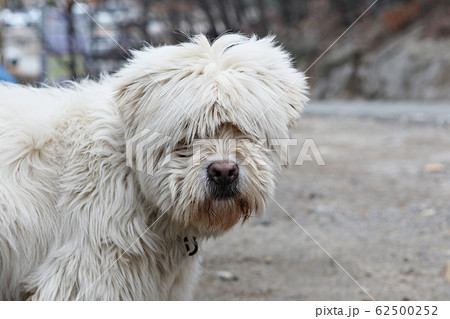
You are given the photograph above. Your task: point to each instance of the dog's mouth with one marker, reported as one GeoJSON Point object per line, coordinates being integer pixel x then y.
{"type": "Point", "coordinates": [225, 200]}
{"type": "Point", "coordinates": [221, 192]}
{"type": "Point", "coordinates": [224, 206]}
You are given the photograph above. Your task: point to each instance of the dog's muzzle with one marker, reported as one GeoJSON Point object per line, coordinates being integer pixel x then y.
{"type": "Point", "coordinates": [223, 179]}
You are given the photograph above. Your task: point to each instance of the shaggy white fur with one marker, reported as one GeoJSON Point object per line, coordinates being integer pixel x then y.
{"type": "Point", "coordinates": [77, 223]}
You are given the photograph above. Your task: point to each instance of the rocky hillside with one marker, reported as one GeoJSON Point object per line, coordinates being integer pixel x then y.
{"type": "Point", "coordinates": [401, 53]}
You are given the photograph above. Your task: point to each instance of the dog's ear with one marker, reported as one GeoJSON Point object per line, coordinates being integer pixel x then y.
{"type": "Point", "coordinates": [135, 88]}
{"type": "Point", "coordinates": [281, 84]}
{"type": "Point", "coordinates": [128, 96]}
{"type": "Point", "coordinates": [292, 86]}
{"type": "Point", "coordinates": [151, 88]}
{"type": "Point", "coordinates": [295, 96]}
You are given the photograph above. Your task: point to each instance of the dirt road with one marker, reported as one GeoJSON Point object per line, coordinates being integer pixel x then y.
{"type": "Point", "coordinates": [374, 208]}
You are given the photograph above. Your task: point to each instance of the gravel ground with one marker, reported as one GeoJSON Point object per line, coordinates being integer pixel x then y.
{"type": "Point", "coordinates": [373, 208]}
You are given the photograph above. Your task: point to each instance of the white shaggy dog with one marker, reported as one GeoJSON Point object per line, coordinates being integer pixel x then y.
{"type": "Point", "coordinates": [78, 222]}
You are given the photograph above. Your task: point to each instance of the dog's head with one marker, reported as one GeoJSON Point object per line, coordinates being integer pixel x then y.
{"type": "Point", "coordinates": [200, 119]}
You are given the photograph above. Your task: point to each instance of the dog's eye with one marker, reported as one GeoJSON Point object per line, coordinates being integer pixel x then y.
{"type": "Point", "coordinates": [180, 147]}
{"type": "Point", "coordinates": [183, 154]}
{"type": "Point", "coordinates": [182, 150]}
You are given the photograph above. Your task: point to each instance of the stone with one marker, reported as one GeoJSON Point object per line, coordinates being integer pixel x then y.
{"type": "Point", "coordinates": [226, 275]}
{"type": "Point", "coordinates": [434, 168]}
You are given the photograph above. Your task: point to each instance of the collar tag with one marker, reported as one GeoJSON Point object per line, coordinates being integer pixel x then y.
{"type": "Point", "coordinates": [189, 243]}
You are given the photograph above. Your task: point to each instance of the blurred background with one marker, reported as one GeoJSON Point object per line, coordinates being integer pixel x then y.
{"type": "Point", "coordinates": [379, 115]}
{"type": "Point", "coordinates": [59, 40]}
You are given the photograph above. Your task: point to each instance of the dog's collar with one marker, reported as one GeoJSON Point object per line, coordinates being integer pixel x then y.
{"type": "Point", "coordinates": [190, 243]}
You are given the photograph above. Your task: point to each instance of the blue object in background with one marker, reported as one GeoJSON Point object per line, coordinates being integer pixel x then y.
{"type": "Point", "coordinates": [6, 76]}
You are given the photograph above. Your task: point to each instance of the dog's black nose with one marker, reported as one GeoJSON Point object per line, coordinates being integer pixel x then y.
{"type": "Point", "coordinates": [223, 172]}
